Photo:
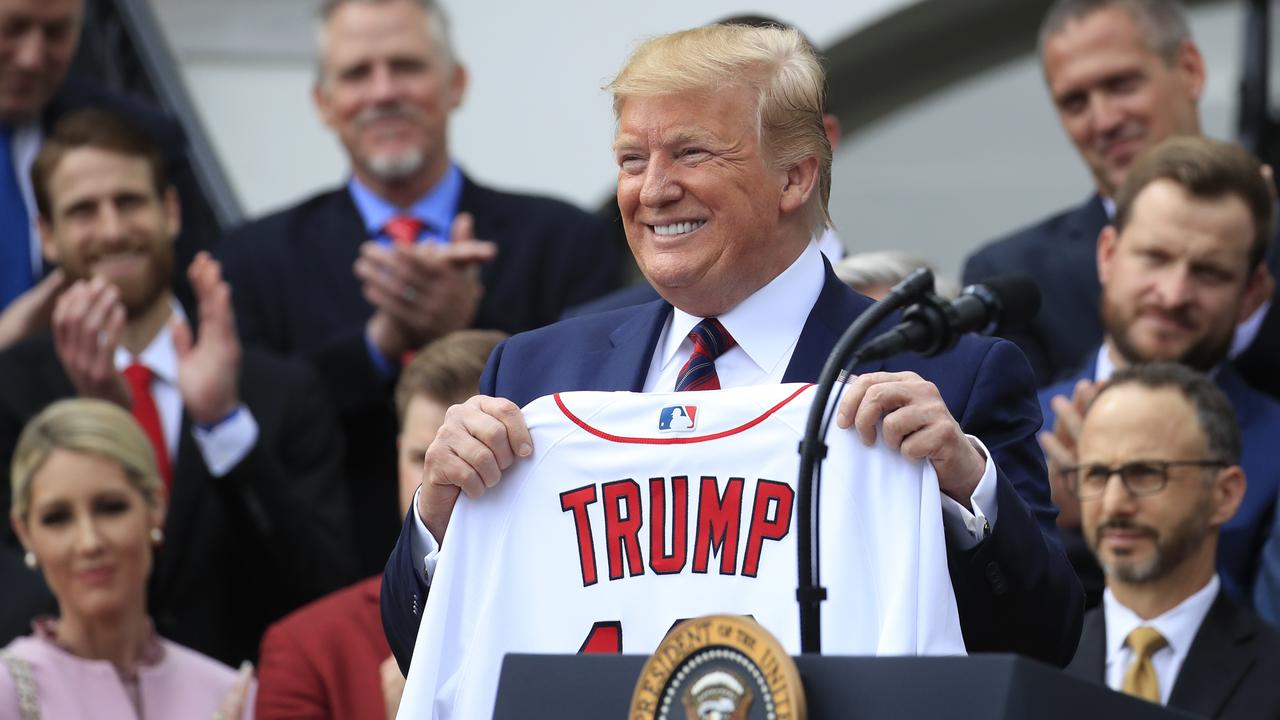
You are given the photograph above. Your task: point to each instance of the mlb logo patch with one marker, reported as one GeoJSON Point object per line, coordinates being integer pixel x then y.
{"type": "Point", "coordinates": [678, 418]}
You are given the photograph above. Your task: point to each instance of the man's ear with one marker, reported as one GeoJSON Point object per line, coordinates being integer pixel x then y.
{"type": "Point", "coordinates": [1228, 491]}
{"type": "Point", "coordinates": [1259, 289]}
{"type": "Point", "coordinates": [800, 182]}
{"type": "Point", "coordinates": [48, 244]}
{"type": "Point", "coordinates": [172, 211]}
{"type": "Point", "coordinates": [1108, 238]}
{"type": "Point", "coordinates": [457, 85]}
{"type": "Point", "coordinates": [1190, 66]}
{"type": "Point", "coordinates": [320, 98]}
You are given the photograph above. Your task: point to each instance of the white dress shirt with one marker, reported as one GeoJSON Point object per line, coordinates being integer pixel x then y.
{"type": "Point", "coordinates": [766, 327]}
{"type": "Point", "coordinates": [1178, 626]}
{"type": "Point", "coordinates": [222, 446]}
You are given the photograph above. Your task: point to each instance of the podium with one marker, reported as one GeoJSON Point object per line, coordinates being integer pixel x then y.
{"type": "Point", "coordinates": [569, 687]}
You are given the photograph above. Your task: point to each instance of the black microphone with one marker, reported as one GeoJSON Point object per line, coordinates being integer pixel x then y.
{"type": "Point", "coordinates": [935, 325]}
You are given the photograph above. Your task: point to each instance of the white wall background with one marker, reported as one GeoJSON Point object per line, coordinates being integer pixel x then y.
{"type": "Point", "coordinates": [936, 178]}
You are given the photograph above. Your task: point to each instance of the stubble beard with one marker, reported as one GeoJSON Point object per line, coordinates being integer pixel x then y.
{"type": "Point", "coordinates": [1171, 551]}
{"type": "Point", "coordinates": [1203, 355]}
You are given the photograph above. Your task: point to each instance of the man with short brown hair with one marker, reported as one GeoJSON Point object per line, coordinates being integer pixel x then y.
{"type": "Point", "coordinates": [38, 40]}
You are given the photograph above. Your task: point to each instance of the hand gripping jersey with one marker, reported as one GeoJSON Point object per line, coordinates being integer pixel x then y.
{"type": "Point", "coordinates": [639, 510]}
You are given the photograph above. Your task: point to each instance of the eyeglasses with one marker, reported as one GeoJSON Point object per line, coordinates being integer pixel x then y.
{"type": "Point", "coordinates": [1140, 477]}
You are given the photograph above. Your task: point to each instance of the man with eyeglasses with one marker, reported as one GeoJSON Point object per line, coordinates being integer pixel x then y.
{"type": "Point", "coordinates": [1194, 218]}
{"type": "Point", "coordinates": [1158, 476]}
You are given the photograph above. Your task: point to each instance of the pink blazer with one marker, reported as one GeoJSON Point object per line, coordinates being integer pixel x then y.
{"type": "Point", "coordinates": [183, 684]}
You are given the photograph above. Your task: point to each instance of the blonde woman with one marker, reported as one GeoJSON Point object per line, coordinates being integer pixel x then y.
{"type": "Point", "coordinates": [88, 507]}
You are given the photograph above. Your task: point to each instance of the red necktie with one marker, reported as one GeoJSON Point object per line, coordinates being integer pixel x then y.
{"type": "Point", "coordinates": [403, 229]}
{"type": "Point", "coordinates": [710, 340]}
{"type": "Point", "coordinates": [144, 411]}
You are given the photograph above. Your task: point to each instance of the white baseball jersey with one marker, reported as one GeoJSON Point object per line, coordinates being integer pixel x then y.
{"type": "Point", "coordinates": [637, 510]}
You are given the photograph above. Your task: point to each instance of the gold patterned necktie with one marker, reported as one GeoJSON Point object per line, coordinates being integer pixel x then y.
{"type": "Point", "coordinates": [1140, 679]}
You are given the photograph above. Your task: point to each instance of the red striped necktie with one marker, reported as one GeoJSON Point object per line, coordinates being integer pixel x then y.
{"type": "Point", "coordinates": [710, 340]}
{"type": "Point", "coordinates": [148, 416]}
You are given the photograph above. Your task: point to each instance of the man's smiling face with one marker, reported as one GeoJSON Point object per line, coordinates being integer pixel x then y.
{"type": "Point", "coordinates": [699, 199]}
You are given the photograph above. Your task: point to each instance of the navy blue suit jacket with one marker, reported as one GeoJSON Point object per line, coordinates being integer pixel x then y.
{"type": "Point", "coordinates": [296, 293]}
{"type": "Point", "coordinates": [1061, 253]}
{"type": "Point", "coordinates": [1015, 590]}
{"type": "Point", "coordinates": [1241, 539]}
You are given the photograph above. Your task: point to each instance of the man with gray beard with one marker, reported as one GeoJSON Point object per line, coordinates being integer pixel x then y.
{"type": "Point", "coordinates": [408, 249]}
{"type": "Point", "coordinates": [1158, 475]}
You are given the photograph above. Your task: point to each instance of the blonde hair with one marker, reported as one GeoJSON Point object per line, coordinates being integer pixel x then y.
{"type": "Point", "coordinates": [777, 63]}
{"type": "Point", "coordinates": [87, 426]}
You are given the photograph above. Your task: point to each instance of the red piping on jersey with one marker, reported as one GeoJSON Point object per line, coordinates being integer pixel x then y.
{"type": "Point", "coordinates": [676, 440]}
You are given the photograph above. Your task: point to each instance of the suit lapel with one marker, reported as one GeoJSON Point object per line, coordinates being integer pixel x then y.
{"type": "Point", "coordinates": [1090, 661]}
{"type": "Point", "coordinates": [54, 375]}
{"type": "Point", "coordinates": [1090, 371]}
{"type": "Point", "coordinates": [1083, 227]}
{"type": "Point", "coordinates": [624, 365]}
{"type": "Point", "coordinates": [1219, 657]}
{"type": "Point", "coordinates": [189, 477]}
{"type": "Point", "coordinates": [335, 244]}
{"type": "Point", "coordinates": [491, 219]}
{"type": "Point", "coordinates": [1087, 220]}
{"type": "Point", "coordinates": [837, 307]}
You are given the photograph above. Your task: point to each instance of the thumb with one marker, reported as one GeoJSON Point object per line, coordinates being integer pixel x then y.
{"type": "Point", "coordinates": [463, 228]}
{"type": "Point", "coordinates": [182, 339]}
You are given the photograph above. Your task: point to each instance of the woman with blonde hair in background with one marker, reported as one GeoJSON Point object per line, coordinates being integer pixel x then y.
{"type": "Point", "coordinates": [88, 507]}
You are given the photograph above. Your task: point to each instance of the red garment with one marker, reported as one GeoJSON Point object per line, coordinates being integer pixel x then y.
{"type": "Point", "coordinates": [403, 229]}
{"type": "Point", "coordinates": [321, 661]}
{"type": "Point", "coordinates": [138, 376]}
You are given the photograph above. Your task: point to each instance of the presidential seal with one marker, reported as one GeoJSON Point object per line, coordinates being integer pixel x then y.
{"type": "Point", "coordinates": [720, 667]}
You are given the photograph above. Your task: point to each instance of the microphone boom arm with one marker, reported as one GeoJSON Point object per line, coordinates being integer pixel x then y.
{"type": "Point", "coordinates": [809, 593]}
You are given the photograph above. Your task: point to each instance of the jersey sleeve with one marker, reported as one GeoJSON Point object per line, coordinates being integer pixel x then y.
{"type": "Point", "coordinates": [446, 660]}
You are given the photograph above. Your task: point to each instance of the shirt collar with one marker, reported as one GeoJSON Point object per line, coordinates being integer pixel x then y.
{"type": "Point", "coordinates": [1104, 368]}
{"type": "Point", "coordinates": [1109, 205]}
{"type": "Point", "coordinates": [437, 208]}
{"type": "Point", "coordinates": [160, 356]}
{"type": "Point", "coordinates": [1178, 625]}
{"type": "Point", "coordinates": [768, 323]}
